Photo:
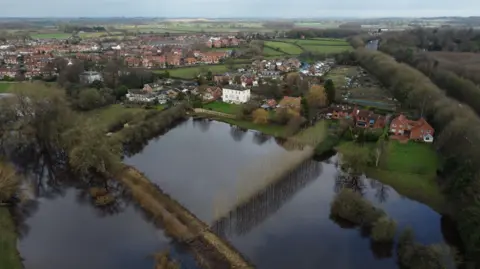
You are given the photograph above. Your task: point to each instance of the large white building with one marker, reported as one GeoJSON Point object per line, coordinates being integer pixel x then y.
{"type": "Point", "coordinates": [235, 94]}
{"type": "Point", "coordinates": [88, 77]}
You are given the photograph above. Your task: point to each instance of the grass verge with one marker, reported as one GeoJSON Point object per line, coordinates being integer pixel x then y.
{"type": "Point", "coordinates": [9, 257]}
{"type": "Point", "coordinates": [222, 107]}
{"type": "Point", "coordinates": [268, 129]}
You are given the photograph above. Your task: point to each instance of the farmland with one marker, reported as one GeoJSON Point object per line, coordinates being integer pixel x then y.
{"type": "Point", "coordinates": [320, 45]}
{"type": "Point", "coordinates": [268, 51]}
{"type": "Point", "coordinates": [60, 35]}
{"type": "Point", "coordinates": [195, 26]}
{"type": "Point", "coordinates": [286, 47]}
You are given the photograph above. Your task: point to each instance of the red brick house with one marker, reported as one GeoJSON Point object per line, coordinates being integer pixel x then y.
{"type": "Point", "coordinates": [340, 112]}
{"type": "Point", "coordinates": [367, 119]}
{"type": "Point", "coordinates": [419, 130]}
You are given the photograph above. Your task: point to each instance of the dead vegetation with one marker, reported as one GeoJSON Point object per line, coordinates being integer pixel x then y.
{"type": "Point", "coordinates": [164, 261]}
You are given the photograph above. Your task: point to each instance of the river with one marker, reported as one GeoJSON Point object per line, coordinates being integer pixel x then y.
{"type": "Point", "coordinates": [63, 230]}
{"type": "Point", "coordinates": [203, 164]}
{"type": "Point", "coordinates": [372, 44]}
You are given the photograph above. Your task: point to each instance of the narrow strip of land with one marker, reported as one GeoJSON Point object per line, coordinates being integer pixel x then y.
{"type": "Point", "coordinates": [209, 250]}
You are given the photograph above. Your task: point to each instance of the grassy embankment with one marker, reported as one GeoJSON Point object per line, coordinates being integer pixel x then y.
{"type": "Point", "coordinates": [410, 169]}
{"type": "Point", "coordinates": [269, 129]}
{"type": "Point", "coordinates": [9, 257]}
{"type": "Point", "coordinates": [178, 222]}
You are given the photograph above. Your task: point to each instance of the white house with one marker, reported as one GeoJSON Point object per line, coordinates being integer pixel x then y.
{"type": "Point", "coordinates": [89, 77]}
{"type": "Point", "coordinates": [235, 94]}
{"type": "Point", "coordinates": [140, 96]}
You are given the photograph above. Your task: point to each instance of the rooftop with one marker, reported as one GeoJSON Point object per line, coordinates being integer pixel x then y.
{"type": "Point", "coordinates": [235, 87]}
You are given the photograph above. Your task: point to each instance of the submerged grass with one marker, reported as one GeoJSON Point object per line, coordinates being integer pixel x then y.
{"type": "Point", "coordinates": [9, 257]}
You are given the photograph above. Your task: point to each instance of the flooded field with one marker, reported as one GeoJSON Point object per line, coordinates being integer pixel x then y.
{"type": "Point", "coordinates": [287, 225]}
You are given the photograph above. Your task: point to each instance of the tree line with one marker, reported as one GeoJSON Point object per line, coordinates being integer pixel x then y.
{"type": "Point", "coordinates": [312, 33]}
{"type": "Point", "coordinates": [39, 121]}
{"type": "Point", "coordinates": [457, 140]}
{"type": "Point", "coordinates": [449, 39]}
{"type": "Point", "coordinates": [462, 89]}
{"type": "Point", "coordinates": [117, 79]}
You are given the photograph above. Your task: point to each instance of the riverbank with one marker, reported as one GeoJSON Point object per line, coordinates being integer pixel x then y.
{"type": "Point", "coordinates": [267, 129]}
{"type": "Point", "coordinates": [210, 251]}
{"type": "Point", "coordinates": [9, 256]}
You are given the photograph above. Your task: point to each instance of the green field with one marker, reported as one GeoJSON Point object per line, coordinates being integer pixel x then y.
{"type": "Point", "coordinates": [411, 170]}
{"type": "Point", "coordinates": [271, 52]}
{"type": "Point", "coordinates": [102, 118]}
{"type": "Point", "coordinates": [5, 86]}
{"type": "Point", "coordinates": [222, 107]}
{"type": "Point", "coordinates": [415, 158]}
{"type": "Point", "coordinates": [186, 27]}
{"type": "Point", "coordinates": [322, 42]}
{"type": "Point", "coordinates": [285, 47]}
{"type": "Point", "coordinates": [320, 45]}
{"type": "Point", "coordinates": [9, 258]}
{"type": "Point", "coordinates": [327, 49]}
{"type": "Point", "coordinates": [192, 72]}
{"type": "Point", "coordinates": [51, 35]}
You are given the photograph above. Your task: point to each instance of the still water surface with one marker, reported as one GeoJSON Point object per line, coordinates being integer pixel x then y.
{"type": "Point", "coordinates": [66, 231]}
{"type": "Point", "coordinates": [203, 163]}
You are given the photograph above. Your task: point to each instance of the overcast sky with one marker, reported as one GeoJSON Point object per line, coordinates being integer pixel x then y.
{"type": "Point", "coordinates": [235, 8]}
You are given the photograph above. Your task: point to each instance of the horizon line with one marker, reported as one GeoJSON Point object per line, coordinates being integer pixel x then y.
{"type": "Point", "coordinates": [227, 17]}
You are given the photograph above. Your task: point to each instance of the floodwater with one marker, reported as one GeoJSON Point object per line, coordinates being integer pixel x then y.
{"type": "Point", "coordinates": [66, 231]}
{"type": "Point", "coordinates": [203, 163]}
{"type": "Point", "coordinates": [372, 44]}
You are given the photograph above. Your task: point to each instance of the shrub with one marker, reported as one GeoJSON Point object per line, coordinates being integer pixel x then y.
{"type": "Point", "coordinates": [350, 206]}
{"type": "Point", "coordinates": [383, 230]}
{"type": "Point", "coordinates": [412, 255]}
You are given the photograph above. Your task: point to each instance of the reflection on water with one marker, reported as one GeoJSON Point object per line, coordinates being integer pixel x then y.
{"type": "Point", "coordinates": [61, 226]}
{"type": "Point", "coordinates": [248, 215]}
{"type": "Point", "coordinates": [288, 225]}
{"type": "Point", "coordinates": [67, 233]}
